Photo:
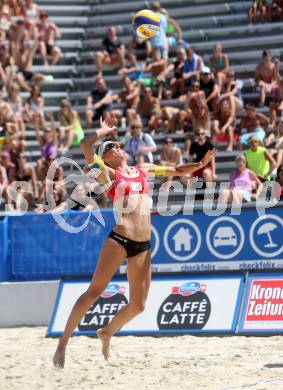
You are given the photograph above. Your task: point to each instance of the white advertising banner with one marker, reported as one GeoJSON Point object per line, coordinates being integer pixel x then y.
{"type": "Point", "coordinates": [175, 305]}
{"type": "Point", "coordinates": [262, 310]}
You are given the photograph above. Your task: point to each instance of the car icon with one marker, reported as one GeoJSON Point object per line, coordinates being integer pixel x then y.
{"type": "Point", "coordinates": [224, 236]}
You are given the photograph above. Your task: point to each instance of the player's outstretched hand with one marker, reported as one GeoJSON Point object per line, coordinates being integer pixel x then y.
{"type": "Point", "coordinates": [109, 124]}
{"type": "Point", "coordinates": [209, 156]}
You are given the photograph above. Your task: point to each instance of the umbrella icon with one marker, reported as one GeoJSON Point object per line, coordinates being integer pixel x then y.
{"type": "Point", "coordinates": [266, 229]}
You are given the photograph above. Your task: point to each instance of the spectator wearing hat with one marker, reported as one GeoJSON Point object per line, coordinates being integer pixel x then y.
{"type": "Point", "coordinates": [113, 51]}
{"type": "Point", "coordinates": [140, 146]}
{"type": "Point", "coordinates": [48, 32]}
{"type": "Point", "coordinates": [209, 87]}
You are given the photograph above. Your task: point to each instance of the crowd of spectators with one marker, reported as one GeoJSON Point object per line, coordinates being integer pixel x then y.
{"type": "Point", "coordinates": [196, 96]}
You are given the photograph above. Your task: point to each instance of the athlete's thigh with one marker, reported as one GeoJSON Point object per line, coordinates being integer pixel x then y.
{"type": "Point", "coordinates": [139, 276]}
{"type": "Point", "coordinates": [111, 257]}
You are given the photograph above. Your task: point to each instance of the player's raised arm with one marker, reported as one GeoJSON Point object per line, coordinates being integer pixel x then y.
{"type": "Point", "coordinates": [88, 149]}
{"type": "Point", "coordinates": [179, 170]}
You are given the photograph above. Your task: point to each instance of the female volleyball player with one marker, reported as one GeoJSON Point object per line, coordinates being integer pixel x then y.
{"type": "Point", "coordinates": [128, 240]}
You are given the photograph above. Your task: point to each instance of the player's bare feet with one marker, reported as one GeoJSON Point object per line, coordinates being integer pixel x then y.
{"type": "Point", "coordinates": [105, 341]}
{"type": "Point", "coordinates": [59, 357]}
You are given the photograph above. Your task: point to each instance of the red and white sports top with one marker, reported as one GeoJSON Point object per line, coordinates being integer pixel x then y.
{"type": "Point", "coordinates": [125, 185]}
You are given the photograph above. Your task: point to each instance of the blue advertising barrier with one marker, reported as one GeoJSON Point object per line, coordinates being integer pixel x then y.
{"type": "Point", "coordinates": [205, 243]}
{"type": "Point", "coordinates": [5, 269]}
{"type": "Point", "coordinates": [42, 249]}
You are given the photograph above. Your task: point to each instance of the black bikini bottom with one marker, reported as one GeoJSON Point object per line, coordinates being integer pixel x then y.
{"type": "Point", "coordinates": [132, 247]}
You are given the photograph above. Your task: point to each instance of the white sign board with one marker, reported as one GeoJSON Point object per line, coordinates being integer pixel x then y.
{"type": "Point", "coordinates": [175, 305]}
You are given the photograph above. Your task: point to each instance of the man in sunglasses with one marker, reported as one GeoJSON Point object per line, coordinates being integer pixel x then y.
{"type": "Point", "coordinates": [199, 147]}
{"type": "Point", "coordinates": [140, 146]}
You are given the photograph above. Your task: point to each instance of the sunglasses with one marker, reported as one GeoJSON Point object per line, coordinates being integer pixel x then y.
{"type": "Point", "coordinates": [253, 141]}
{"type": "Point", "coordinates": [196, 86]}
{"type": "Point", "coordinates": [200, 133]}
{"type": "Point", "coordinates": [135, 127]}
{"type": "Point", "coordinates": [169, 142]}
{"type": "Point", "coordinates": [111, 146]}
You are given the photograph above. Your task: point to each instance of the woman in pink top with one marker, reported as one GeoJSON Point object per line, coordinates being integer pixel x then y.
{"type": "Point", "coordinates": [242, 181]}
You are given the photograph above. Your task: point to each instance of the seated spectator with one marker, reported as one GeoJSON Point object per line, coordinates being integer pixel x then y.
{"type": "Point", "coordinates": [113, 51]}
{"type": "Point", "coordinates": [192, 67]}
{"type": "Point", "coordinates": [159, 41]}
{"type": "Point", "coordinates": [9, 166]}
{"type": "Point", "coordinates": [149, 109]}
{"type": "Point", "coordinates": [34, 106]}
{"type": "Point", "coordinates": [257, 9]}
{"type": "Point", "coordinates": [170, 155]}
{"type": "Point", "coordinates": [5, 17]}
{"type": "Point", "coordinates": [259, 160]}
{"type": "Point", "coordinates": [219, 65]}
{"type": "Point", "coordinates": [137, 43]}
{"type": "Point", "coordinates": [279, 179]}
{"type": "Point", "coordinates": [176, 84]}
{"type": "Point", "coordinates": [231, 88]}
{"type": "Point", "coordinates": [31, 11]}
{"type": "Point", "coordinates": [197, 109]}
{"type": "Point", "coordinates": [275, 9]}
{"type": "Point", "coordinates": [174, 119]}
{"type": "Point", "coordinates": [15, 145]}
{"type": "Point", "coordinates": [98, 102]}
{"type": "Point", "coordinates": [266, 77]}
{"type": "Point", "coordinates": [48, 32]}
{"type": "Point", "coordinates": [157, 68]}
{"type": "Point", "coordinates": [140, 146]}
{"type": "Point", "coordinates": [71, 132]}
{"type": "Point", "coordinates": [130, 97]}
{"type": "Point", "coordinates": [3, 183]}
{"type": "Point", "coordinates": [25, 172]}
{"type": "Point", "coordinates": [15, 102]}
{"type": "Point", "coordinates": [243, 181]}
{"type": "Point", "coordinates": [133, 69]}
{"type": "Point", "coordinates": [24, 62]}
{"type": "Point", "coordinates": [275, 140]}
{"type": "Point", "coordinates": [275, 110]}
{"type": "Point", "coordinates": [199, 146]}
{"type": "Point", "coordinates": [252, 123]}
{"type": "Point", "coordinates": [48, 142]}
{"type": "Point", "coordinates": [210, 88]}
{"type": "Point", "coordinates": [225, 122]}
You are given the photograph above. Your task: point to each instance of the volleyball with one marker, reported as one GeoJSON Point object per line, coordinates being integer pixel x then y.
{"type": "Point", "coordinates": [146, 23]}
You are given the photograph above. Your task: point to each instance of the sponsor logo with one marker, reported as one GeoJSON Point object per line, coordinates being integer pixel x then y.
{"type": "Point", "coordinates": [265, 301]}
{"type": "Point", "coordinates": [188, 307]}
{"type": "Point", "coordinates": [189, 288]}
{"type": "Point", "coordinates": [105, 308]}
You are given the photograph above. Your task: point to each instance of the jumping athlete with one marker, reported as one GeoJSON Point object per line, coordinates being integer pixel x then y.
{"type": "Point", "coordinates": [129, 239]}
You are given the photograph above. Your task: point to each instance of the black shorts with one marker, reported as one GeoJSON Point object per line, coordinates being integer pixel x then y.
{"type": "Point", "coordinates": [132, 247]}
{"type": "Point", "coordinates": [49, 49]}
{"type": "Point", "coordinates": [27, 75]}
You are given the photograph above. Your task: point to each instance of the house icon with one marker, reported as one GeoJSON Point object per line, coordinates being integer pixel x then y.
{"type": "Point", "coordinates": [182, 240]}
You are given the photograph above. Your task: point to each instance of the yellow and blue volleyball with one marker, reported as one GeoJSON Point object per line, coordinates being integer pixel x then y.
{"type": "Point", "coordinates": [146, 23]}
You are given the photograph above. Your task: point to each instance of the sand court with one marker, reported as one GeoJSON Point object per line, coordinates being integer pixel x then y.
{"type": "Point", "coordinates": [141, 363]}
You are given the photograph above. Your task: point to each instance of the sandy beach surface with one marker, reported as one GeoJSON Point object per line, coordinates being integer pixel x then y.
{"type": "Point", "coordinates": [141, 363]}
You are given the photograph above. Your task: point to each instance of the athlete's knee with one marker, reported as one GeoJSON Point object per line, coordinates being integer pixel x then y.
{"type": "Point", "coordinates": [94, 292]}
{"type": "Point", "coordinates": [137, 307]}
